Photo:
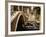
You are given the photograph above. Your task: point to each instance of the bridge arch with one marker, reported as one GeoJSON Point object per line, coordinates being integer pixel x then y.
{"type": "Point", "coordinates": [19, 22]}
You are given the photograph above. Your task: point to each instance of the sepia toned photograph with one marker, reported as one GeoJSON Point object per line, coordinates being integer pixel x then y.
{"type": "Point", "coordinates": [25, 17]}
